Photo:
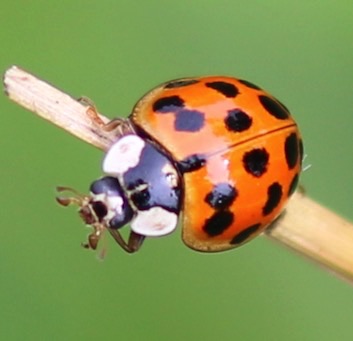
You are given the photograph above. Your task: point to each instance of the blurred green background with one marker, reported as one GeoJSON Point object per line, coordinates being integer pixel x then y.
{"type": "Point", "coordinates": [113, 52]}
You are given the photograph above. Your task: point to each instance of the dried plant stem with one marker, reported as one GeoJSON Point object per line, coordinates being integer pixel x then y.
{"type": "Point", "coordinates": [53, 105]}
{"type": "Point", "coordinates": [306, 227]}
{"type": "Point", "coordinates": [318, 233]}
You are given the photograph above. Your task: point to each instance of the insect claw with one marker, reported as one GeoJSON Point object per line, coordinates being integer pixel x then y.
{"type": "Point", "coordinates": [85, 245]}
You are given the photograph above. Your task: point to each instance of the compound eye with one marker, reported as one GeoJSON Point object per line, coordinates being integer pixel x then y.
{"type": "Point", "coordinates": [100, 209]}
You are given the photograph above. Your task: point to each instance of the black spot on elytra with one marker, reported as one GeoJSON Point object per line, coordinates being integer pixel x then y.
{"type": "Point", "coordinates": [274, 195]}
{"type": "Point", "coordinates": [249, 84]}
{"type": "Point", "coordinates": [273, 107]}
{"type": "Point", "coordinates": [291, 150]}
{"type": "Point", "coordinates": [237, 120]}
{"type": "Point", "coordinates": [221, 196]}
{"type": "Point", "coordinates": [180, 83]}
{"type": "Point", "coordinates": [189, 120]}
{"type": "Point", "coordinates": [185, 120]}
{"type": "Point", "coordinates": [293, 185]}
{"type": "Point", "coordinates": [191, 163]}
{"type": "Point", "coordinates": [226, 89]}
{"type": "Point", "coordinates": [301, 151]}
{"type": "Point", "coordinates": [255, 161]}
{"type": "Point", "coordinates": [218, 223]}
{"type": "Point", "coordinates": [286, 108]}
{"type": "Point", "coordinates": [245, 234]}
{"type": "Point", "coordinates": [168, 104]}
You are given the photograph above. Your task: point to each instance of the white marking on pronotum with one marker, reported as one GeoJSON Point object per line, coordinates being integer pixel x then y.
{"type": "Point", "coordinates": [123, 154]}
{"type": "Point", "coordinates": [154, 222]}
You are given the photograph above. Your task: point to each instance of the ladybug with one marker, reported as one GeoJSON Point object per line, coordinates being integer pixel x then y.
{"type": "Point", "coordinates": [217, 153]}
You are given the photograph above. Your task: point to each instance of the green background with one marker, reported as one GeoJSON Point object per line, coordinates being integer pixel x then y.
{"type": "Point", "coordinates": [113, 52]}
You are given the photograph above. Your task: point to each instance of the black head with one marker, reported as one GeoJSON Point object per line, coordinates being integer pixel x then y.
{"type": "Point", "coordinates": [109, 203]}
{"type": "Point", "coordinates": [105, 208]}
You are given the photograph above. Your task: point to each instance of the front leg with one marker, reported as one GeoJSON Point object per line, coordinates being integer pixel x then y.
{"type": "Point", "coordinates": [134, 243]}
{"type": "Point", "coordinates": [118, 125]}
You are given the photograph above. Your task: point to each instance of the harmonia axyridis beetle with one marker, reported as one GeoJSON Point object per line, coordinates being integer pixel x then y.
{"type": "Point", "coordinates": [220, 152]}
